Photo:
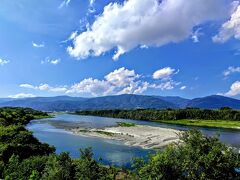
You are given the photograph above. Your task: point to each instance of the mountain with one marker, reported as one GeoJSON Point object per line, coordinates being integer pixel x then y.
{"type": "Point", "coordinates": [58, 103]}
{"type": "Point", "coordinates": [65, 103]}
{"type": "Point", "coordinates": [4, 100]}
{"type": "Point", "coordinates": [179, 101]}
{"type": "Point", "coordinates": [125, 101]}
{"type": "Point", "coordinates": [214, 102]}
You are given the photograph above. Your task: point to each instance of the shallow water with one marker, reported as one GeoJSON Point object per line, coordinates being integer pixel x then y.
{"type": "Point", "coordinates": [52, 131]}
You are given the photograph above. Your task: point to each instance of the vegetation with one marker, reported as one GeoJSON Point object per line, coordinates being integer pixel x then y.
{"type": "Point", "coordinates": [23, 157]}
{"type": "Point", "coordinates": [105, 133]}
{"type": "Point", "coordinates": [125, 124]}
{"type": "Point", "coordinates": [224, 117]}
{"type": "Point", "coordinates": [196, 157]}
{"type": "Point", "coordinates": [206, 123]}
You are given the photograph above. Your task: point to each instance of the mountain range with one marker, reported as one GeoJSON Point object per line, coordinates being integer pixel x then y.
{"type": "Point", "coordinates": [125, 101]}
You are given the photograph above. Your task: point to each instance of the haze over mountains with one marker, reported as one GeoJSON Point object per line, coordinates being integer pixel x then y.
{"type": "Point", "coordinates": [126, 101]}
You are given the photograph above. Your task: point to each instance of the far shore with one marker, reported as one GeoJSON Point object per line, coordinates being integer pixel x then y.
{"type": "Point", "coordinates": [147, 137]}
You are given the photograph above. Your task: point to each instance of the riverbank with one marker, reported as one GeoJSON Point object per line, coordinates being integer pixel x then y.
{"type": "Point", "coordinates": [205, 123]}
{"type": "Point", "coordinates": [221, 118]}
{"type": "Point", "coordinates": [147, 137]}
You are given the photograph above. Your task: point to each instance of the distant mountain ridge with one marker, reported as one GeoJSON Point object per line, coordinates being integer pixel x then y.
{"type": "Point", "coordinates": [125, 101]}
{"type": "Point", "coordinates": [214, 102]}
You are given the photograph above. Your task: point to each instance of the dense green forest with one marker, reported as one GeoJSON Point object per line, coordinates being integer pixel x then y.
{"type": "Point", "coordinates": [168, 114]}
{"type": "Point", "coordinates": [23, 157]}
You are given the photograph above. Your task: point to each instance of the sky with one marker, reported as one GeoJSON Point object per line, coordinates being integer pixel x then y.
{"type": "Point", "coordinates": [94, 48]}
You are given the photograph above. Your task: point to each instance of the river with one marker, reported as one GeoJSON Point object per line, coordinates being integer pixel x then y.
{"type": "Point", "coordinates": [52, 131]}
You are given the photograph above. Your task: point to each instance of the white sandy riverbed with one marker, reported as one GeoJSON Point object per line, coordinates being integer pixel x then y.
{"type": "Point", "coordinates": [140, 135]}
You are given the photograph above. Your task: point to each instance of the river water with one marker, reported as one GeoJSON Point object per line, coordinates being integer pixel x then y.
{"type": "Point", "coordinates": [52, 131]}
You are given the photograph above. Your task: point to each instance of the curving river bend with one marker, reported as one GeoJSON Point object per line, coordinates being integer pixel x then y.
{"type": "Point", "coordinates": [52, 131]}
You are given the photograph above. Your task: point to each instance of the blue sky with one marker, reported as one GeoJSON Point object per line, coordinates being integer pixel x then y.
{"type": "Point", "coordinates": [96, 48]}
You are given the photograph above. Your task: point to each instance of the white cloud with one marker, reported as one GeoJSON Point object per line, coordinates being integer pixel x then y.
{"type": "Point", "coordinates": [121, 77]}
{"type": "Point", "coordinates": [64, 3]}
{"type": "Point", "coordinates": [120, 81]}
{"type": "Point", "coordinates": [21, 95]}
{"type": "Point", "coordinates": [45, 87]}
{"type": "Point", "coordinates": [231, 70]}
{"type": "Point", "coordinates": [91, 2]}
{"type": "Point", "coordinates": [234, 89]}
{"type": "Point", "coordinates": [183, 87]}
{"type": "Point", "coordinates": [51, 61]}
{"type": "Point", "coordinates": [164, 73]}
{"type": "Point", "coordinates": [73, 35]}
{"type": "Point", "coordinates": [230, 28]}
{"type": "Point", "coordinates": [167, 85]}
{"type": "Point", "coordinates": [92, 86]}
{"type": "Point", "coordinates": [55, 62]}
{"type": "Point", "coordinates": [3, 62]}
{"type": "Point", "coordinates": [149, 23]}
{"type": "Point", "coordinates": [38, 45]}
{"type": "Point", "coordinates": [196, 34]}
{"type": "Point", "coordinates": [27, 86]}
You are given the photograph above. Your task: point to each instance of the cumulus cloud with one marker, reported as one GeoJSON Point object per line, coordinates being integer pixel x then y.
{"type": "Point", "coordinates": [120, 81]}
{"type": "Point", "coordinates": [150, 23]}
{"type": "Point", "coordinates": [21, 95]}
{"type": "Point", "coordinates": [3, 62]}
{"type": "Point", "coordinates": [164, 73]}
{"type": "Point", "coordinates": [38, 45]}
{"type": "Point", "coordinates": [92, 86]}
{"type": "Point", "coordinates": [230, 28]}
{"type": "Point", "coordinates": [121, 77]}
{"type": "Point", "coordinates": [234, 89]}
{"type": "Point", "coordinates": [231, 70]}
{"type": "Point", "coordinates": [51, 61]}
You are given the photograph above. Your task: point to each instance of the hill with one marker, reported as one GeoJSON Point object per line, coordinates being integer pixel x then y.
{"type": "Point", "coordinates": [125, 101]}
{"type": "Point", "coordinates": [66, 103]}
{"type": "Point", "coordinates": [214, 102]}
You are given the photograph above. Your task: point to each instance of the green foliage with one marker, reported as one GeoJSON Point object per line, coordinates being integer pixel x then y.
{"type": "Point", "coordinates": [125, 124]}
{"type": "Point", "coordinates": [195, 157]}
{"type": "Point", "coordinates": [9, 116]}
{"type": "Point", "coordinates": [168, 114]}
{"type": "Point", "coordinates": [58, 167]}
{"type": "Point", "coordinates": [23, 157]}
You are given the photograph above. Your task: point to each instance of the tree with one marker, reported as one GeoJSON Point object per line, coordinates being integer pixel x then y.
{"type": "Point", "coordinates": [194, 157]}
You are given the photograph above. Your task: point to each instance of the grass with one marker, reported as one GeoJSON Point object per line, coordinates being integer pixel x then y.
{"type": "Point", "coordinates": [206, 123]}
{"type": "Point", "coordinates": [125, 124]}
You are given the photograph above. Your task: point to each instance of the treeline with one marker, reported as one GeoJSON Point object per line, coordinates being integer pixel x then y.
{"type": "Point", "coordinates": [21, 116]}
{"type": "Point", "coordinates": [168, 114]}
{"type": "Point", "coordinates": [23, 157]}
